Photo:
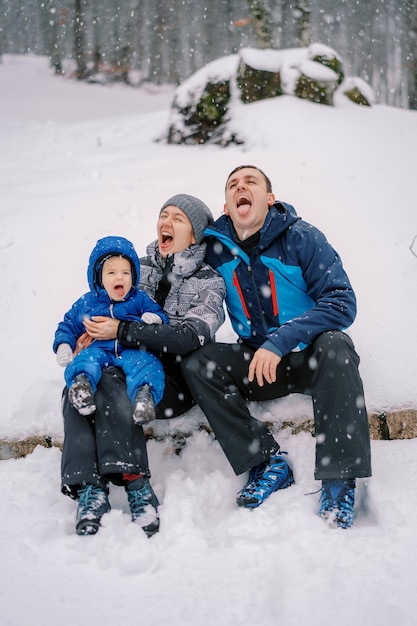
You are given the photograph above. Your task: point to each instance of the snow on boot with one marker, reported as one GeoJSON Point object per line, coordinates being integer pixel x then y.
{"type": "Point", "coordinates": [144, 406]}
{"type": "Point", "coordinates": [81, 395]}
{"type": "Point", "coordinates": [337, 501]}
{"type": "Point", "coordinates": [93, 503]}
{"type": "Point", "coordinates": [143, 505]}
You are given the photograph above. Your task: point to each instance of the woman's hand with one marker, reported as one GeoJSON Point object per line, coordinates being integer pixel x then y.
{"type": "Point", "coordinates": [101, 327]}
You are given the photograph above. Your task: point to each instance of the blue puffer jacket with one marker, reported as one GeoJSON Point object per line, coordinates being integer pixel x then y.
{"type": "Point", "coordinates": [97, 302]}
{"type": "Point", "coordinates": [292, 288]}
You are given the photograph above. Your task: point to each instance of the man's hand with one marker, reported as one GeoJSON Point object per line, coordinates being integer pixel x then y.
{"type": "Point", "coordinates": [263, 366]}
{"type": "Point", "coordinates": [101, 327]}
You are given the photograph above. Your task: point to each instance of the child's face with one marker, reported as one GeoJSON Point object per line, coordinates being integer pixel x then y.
{"type": "Point", "coordinates": [117, 277]}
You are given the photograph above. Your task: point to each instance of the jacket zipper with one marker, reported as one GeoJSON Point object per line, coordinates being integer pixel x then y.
{"type": "Point", "coordinates": [116, 343]}
{"type": "Point", "coordinates": [273, 293]}
{"type": "Point", "coordinates": [239, 290]}
{"type": "Point", "coordinates": [274, 298]}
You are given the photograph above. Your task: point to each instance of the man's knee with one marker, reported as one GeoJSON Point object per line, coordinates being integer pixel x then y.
{"type": "Point", "coordinates": [335, 350]}
{"type": "Point", "coordinates": [333, 343]}
{"type": "Point", "coordinates": [192, 362]}
{"type": "Point", "coordinates": [204, 362]}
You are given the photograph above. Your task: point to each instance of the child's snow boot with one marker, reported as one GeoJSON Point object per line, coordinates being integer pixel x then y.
{"type": "Point", "coordinates": [81, 395]}
{"type": "Point", "coordinates": [144, 406]}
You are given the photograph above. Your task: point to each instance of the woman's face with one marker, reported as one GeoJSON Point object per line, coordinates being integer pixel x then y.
{"type": "Point", "coordinates": [175, 232]}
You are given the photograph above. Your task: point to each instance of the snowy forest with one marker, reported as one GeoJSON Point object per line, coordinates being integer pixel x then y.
{"type": "Point", "coordinates": [165, 41]}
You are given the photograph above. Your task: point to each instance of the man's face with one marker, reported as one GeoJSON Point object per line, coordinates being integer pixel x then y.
{"type": "Point", "coordinates": [117, 277]}
{"type": "Point", "coordinates": [247, 201]}
{"type": "Point", "coordinates": [175, 232]}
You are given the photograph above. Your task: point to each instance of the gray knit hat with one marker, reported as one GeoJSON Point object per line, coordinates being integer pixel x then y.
{"type": "Point", "coordinates": [197, 212]}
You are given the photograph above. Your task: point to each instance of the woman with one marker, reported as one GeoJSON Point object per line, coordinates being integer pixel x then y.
{"type": "Point", "coordinates": [108, 446]}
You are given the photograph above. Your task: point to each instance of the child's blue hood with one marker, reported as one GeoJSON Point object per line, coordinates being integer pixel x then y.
{"type": "Point", "coordinates": [104, 248]}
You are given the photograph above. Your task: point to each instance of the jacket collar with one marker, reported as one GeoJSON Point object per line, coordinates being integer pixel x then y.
{"type": "Point", "coordinates": [186, 262]}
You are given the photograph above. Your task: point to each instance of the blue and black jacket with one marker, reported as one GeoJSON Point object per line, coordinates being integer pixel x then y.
{"type": "Point", "coordinates": [292, 287]}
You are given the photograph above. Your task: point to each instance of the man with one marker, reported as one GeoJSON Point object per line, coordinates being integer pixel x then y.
{"type": "Point", "coordinates": [289, 299]}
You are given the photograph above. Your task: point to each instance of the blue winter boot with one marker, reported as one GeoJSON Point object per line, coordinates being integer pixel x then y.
{"type": "Point", "coordinates": [336, 502]}
{"type": "Point", "coordinates": [264, 479]}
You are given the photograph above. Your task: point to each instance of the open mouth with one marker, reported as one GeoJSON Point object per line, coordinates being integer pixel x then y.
{"type": "Point", "coordinates": [119, 290]}
{"type": "Point", "coordinates": [166, 238]}
{"type": "Point", "coordinates": [243, 200]}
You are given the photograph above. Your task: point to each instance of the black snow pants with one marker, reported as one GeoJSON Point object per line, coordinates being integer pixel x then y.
{"type": "Point", "coordinates": [102, 447]}
{"type": "Point", "coordinates": [327, 370]}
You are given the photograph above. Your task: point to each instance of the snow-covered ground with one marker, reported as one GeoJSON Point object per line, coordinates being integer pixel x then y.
{"type": "Point", "coordinates": [78, 162]}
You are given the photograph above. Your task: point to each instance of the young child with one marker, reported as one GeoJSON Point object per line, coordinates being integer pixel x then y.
{"type": "Point", "coordinates": [113, 273]}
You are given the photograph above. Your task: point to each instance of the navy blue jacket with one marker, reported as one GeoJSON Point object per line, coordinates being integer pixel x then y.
{"type": "Point", "coordinates": [97, 302]}
{"type": "Point", "coordinates": [292, 288]}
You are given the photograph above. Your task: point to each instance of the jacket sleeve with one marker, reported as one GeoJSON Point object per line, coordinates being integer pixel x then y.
{"type": "Point", "coordinates": [71, 328]}
{"type": "Point", "coordinates": [329, 287]}
{"type": "Point", "coordinates": [177, 339]}
{"type": "Point", "coordinates": [198, 326]}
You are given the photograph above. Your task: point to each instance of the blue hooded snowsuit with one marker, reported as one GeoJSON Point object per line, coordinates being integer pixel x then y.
{"type": "Point", "coordinates": [140, 367]}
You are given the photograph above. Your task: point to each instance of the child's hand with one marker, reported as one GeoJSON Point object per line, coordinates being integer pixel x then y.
{"type": "Point", "coordinates": [64, 354]}
{"type": "Point", "coordinates": [151, 318]}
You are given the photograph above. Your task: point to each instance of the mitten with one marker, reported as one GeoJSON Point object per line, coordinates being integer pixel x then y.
{"type": "Point", "coordinates": [151, 318]}
{"type": "Point", "coordinates": [82, 342]}
{"type": "Point", "coordinates": [64, 354]}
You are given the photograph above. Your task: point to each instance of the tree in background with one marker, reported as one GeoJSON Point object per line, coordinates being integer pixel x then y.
{"type": "Point", "coordinates": [411, 58]}
{"type": "Point", "coordinates": [261, 18]}
{"type": "Point", "coordinates": [302, 19]}
{"type": "Point", "coordinates": [168, 40]}
{"type": "Point", "coordinates": [80, 39]}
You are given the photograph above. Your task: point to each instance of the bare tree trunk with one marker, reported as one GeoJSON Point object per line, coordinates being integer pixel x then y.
{"type": "Point", "coordinates": [79, 39]}
{"type": "Point", "coordinates": [139, 43]}
{"type": "Point", "coordinates": [2, 30]}
{"type": "Point", "coordinates": [411, 63]}
{"type": "Point", "coordinates": [56, 21]}
{"type": "Point", "coordinates": [302, 18]}
{"type": "Point", "coordinates": [97, 36]}
{"type": "Point", "coordinates": [261, 20]}
{"type": "Point", "coordinates": [172, 36]}
{"type": "Point", "coordinates": [156, 41]}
